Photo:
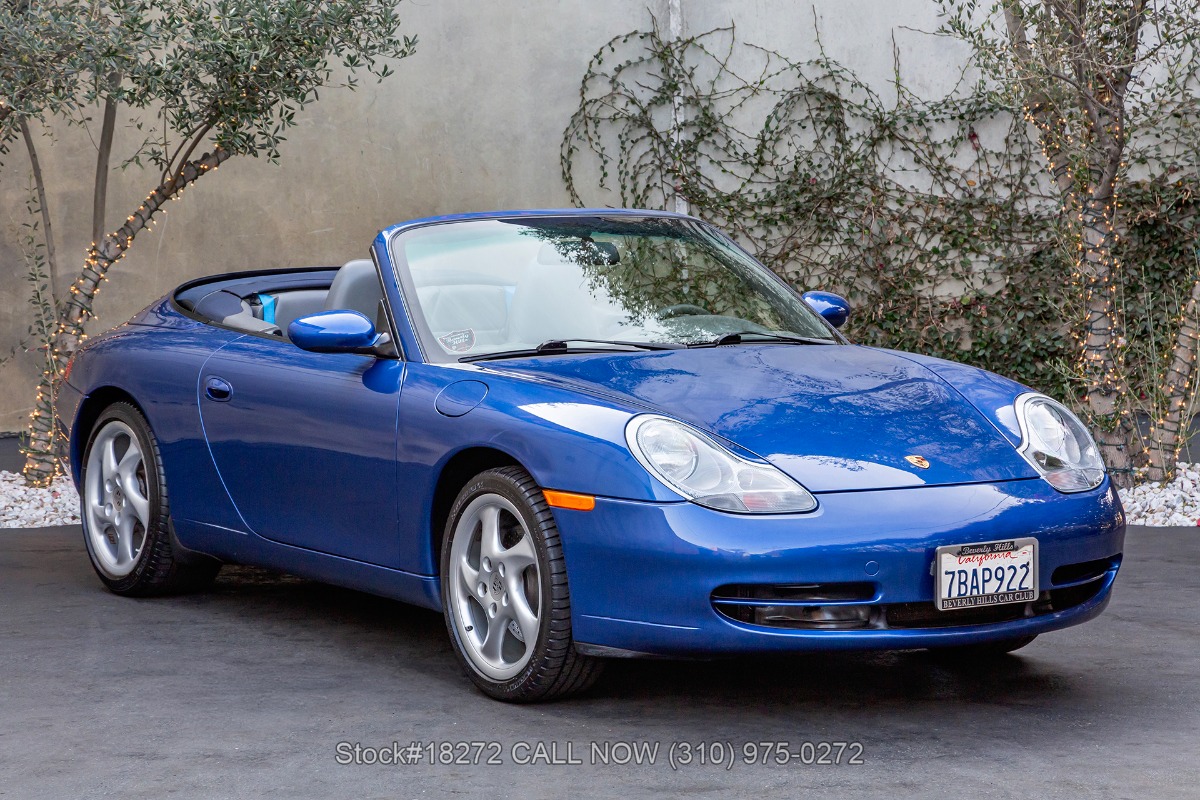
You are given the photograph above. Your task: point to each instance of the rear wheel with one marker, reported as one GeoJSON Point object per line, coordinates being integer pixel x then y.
{"type": "Point", "coordinates": [126, 512]}
{"type": "Point", "coordinates": [505, 594]}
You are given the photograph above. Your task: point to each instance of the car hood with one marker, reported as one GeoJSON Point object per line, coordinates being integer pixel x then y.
{"type": "Point", "coordinates": [834, 417]}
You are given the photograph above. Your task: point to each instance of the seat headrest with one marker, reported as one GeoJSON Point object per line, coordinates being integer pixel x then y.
{"type": "Point", "coordinates": [356, 287]}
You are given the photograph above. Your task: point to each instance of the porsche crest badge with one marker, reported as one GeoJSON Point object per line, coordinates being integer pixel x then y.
{"type": "Point", "coordinates": [918, 461]}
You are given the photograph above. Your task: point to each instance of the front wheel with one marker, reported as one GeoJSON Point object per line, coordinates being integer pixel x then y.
{"type": "Point", "coordinates": [126, 512]}
{"type": "Point", "coordinates": [505, 593]}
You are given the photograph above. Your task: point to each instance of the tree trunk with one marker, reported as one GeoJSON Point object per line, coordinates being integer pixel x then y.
{"type": "Point", "coordinates": [103, 154]}
{"type": "Point", "coordinates": [44, 209]}
{"type": "Point", "coordinates": [48, 444]}
{"type": "Point", "coordinates": [40, 464]}
{"type": "Point", "coordinates": [1102, 364]}
{"type": "Point", "coordinates": [1169, 432]}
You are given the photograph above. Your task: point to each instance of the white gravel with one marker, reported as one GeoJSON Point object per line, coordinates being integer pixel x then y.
{"type": "Point", "coordinates": [1159, 504]}
{"type": "Point", "coordinates": [23, 507]}
{"type": "Point", "coordinates": [1155, 504]}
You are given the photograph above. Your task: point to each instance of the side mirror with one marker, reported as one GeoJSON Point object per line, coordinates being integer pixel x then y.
{"type": "Point", "coordinates": [834, 308]}
{"type": "Point", "coordinates": [334, 332]}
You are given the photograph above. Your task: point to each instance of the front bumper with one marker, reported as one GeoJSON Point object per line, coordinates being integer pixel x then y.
{"type": "Point", "coordinates": [642, 575]}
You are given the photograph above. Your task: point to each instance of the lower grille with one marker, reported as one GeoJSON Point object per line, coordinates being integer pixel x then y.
{"type": "Point", "coordinates": [841, 606]}
{"type": "Point", "coordinates": [1084, 571]}
{"type": "Point", "coordinates": [926, 615]}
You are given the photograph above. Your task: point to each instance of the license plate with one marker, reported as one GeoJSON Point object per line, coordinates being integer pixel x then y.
{"type": "Point", "coordinates": [986, 574]}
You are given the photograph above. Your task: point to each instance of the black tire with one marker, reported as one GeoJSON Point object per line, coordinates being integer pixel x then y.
{"type": "Point", "coordinates": [161, 566]}
{"type": "Point", "coordinates": [979, 653]}
{"type": "Point", "coordinates": [555, 669]}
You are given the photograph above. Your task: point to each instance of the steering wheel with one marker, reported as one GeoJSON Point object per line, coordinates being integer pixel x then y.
{"type": "Point", "coordinates": [681, 310]}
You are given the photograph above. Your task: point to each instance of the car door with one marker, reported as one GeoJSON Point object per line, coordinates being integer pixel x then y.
{"type": "Point", "coordinates": [305, 444]}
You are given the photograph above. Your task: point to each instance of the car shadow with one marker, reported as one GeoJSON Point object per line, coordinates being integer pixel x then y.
{"type": "Point", "coordinates": [378, 631]}
{"type": "Point", "coordinates": [847, 679]}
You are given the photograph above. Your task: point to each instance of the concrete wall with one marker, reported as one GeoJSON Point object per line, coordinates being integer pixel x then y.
{"type": "Point", "coordinates": [473, 121]}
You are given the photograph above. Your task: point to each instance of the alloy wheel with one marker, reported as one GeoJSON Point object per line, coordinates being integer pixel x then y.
{"type": "Point", "coordinates": [494, 587]}
{"type": "Point", "coordinates": [116, 499]}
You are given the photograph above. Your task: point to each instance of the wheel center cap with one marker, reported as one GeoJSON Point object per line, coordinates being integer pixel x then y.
{"type": "Point", "coordinates": [497, 585]}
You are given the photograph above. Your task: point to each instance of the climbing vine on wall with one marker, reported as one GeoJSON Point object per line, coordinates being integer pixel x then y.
{"type": "Point", "coordinates": [932, 216]}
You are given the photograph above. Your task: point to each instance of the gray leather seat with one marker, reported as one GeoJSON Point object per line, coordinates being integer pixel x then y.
{"type": "Point", "coordinates": [228, 309]}
{"type": "Point", "coordinates": [357, 288]}
{"type": "Point", "coordinates": [297, 303]}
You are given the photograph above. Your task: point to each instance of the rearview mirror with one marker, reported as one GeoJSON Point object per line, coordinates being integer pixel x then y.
{"type": "Point", "coordinates": [834, 308]}
{"type": "Point", "coordinates": [334, 332]}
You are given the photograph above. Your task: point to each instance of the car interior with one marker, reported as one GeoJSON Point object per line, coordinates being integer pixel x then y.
{"type": "Point", "coordinates": [550, 299]}
{"type": "Point", "coordinates": [268, 303]}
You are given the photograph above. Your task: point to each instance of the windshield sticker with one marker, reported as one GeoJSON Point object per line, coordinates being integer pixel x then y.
{"type": "Point", "coordinates": [458, 341]}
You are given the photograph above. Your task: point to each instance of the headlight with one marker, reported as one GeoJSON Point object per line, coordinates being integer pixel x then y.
{"type": "Point", "coordinates": [708, 474]}
{"type": "Point", "coordinates": [1057, 444]}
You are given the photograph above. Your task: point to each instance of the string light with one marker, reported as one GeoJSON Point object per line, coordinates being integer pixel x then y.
{"type": "Point", "coordinates": [43, 446]}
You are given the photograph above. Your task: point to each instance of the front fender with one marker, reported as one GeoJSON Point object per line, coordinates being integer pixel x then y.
{"type": "Point", "coordinates": [566, 440]}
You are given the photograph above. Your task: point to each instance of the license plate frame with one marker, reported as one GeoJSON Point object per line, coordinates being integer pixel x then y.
{"type": "Point", "coordinates": [986, 557]}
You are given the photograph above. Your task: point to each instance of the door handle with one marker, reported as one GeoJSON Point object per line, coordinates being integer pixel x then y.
{"type": "Point", "coordinates": [218, 389]}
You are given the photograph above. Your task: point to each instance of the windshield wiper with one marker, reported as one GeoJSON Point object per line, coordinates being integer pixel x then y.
{"type": "Point", "coordinates": [738, 337]}
{"type": "Point", "coordinates": [553, 346]}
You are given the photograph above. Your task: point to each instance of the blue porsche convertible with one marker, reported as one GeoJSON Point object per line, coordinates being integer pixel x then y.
{"type": "Point", "coordinates": [583, 434]}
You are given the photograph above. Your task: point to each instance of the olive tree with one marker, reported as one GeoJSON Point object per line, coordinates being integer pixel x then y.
{"type": "Point", "coordinates": [41, 60]}
{"type": "Point", "coordinates": [207, 81]}
{"type": "Point", "coordinates": [49, 51]}
{"type": "Point", "coordinates": [40, 69]}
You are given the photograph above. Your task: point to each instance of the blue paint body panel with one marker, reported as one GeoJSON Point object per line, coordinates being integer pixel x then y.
{"type": "Point", "coordinates": [327, 465]}
{"type": "Point", "coordinates": [643, 573]}
{"type": "Point", "coordinates": [834, 418]}
{"type": "Point", "coordinates": [301, 426]}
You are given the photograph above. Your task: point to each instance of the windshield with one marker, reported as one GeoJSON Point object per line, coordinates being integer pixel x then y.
{"type": "Point", "coordinates": [496, 286]}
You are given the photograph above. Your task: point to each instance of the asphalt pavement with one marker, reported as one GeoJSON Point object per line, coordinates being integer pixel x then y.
{"type": "Point", "coordinates": [248, 690]}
